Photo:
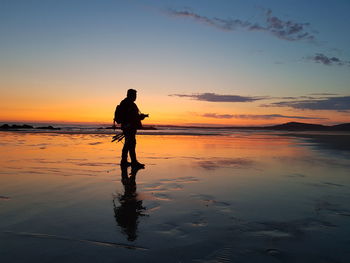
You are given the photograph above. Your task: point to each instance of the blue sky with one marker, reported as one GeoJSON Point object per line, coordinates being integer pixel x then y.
{"type": "Point", "coordinates": [78, 52]}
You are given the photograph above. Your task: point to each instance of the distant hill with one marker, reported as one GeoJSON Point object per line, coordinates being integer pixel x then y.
{"type": "Point", "coordinates": [299, 126]}
{"type": "Point", "coordinates": [341, 127]}
{"type": "Point", "coordinates": [289, 126]}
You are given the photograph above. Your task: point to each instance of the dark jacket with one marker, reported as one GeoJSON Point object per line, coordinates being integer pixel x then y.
{"type": "Point", "coordinates": [131, 113]}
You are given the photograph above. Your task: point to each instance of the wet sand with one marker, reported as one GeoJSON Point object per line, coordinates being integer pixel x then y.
{"type": "Point", "coordinates": [249, 197]}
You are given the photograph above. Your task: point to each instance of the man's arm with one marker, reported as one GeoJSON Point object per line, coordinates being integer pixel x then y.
{"type": "Point", "coordinates": [143, 116]}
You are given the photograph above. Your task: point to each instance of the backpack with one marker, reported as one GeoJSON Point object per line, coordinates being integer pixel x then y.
{"type": "Point", "coordinates": [119, 114]}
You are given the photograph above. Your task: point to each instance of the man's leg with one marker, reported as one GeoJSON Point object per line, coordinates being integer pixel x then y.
{"type": "Point", "coordinates": [132, 151]}
{"type": "Point", "coordinates": [132, 146]}
{"type": "Point", "coordinates": [126, 149]}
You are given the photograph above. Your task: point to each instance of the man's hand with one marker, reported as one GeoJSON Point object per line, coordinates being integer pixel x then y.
{"type": "Point", "coordinates": [143, 116]}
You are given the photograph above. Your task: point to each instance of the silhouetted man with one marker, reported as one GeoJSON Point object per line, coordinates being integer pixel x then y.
{"type": "Point", "coordinates": [131, 121]}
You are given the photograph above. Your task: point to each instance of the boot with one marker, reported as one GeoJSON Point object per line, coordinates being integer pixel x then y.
{"type": "Point", "coordinates": [134, 162]}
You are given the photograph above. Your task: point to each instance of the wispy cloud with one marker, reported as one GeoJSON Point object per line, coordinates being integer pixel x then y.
{"type": "Point", "coordinates": [318, 101]}
{"type": "Point", "coordinates": [296, 98]}
{"type": "Point", "coordinates": [286, 30]}
{"type": "Point", "coordinates": [223, 24]}
{"type": "Point", "coordinates": [257, 117]}
{"type": "Point", "coordinates": [324, 94]}
{"type": "Point", "coordinates": [328, 103]}
{"type": "Point", "coordinates": [218, 116]}
{"type": "Point", "coordinates": [213, 97]}
{"type": "Point", "coordinates": [327, 60]}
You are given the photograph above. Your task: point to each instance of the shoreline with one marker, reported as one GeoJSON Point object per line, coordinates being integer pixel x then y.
{"type": "Point", "coordinates": [289, 126]}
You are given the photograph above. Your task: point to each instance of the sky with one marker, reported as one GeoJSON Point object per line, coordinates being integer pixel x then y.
{"type": "Point", "coordinates": [208, 62]}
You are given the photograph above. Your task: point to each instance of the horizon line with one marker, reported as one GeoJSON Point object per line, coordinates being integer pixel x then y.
{"type": "Point", "coordinates": [188, 125]}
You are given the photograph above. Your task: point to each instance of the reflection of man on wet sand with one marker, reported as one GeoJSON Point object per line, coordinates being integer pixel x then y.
{"type": "Point", "coordinates": [127, 214]}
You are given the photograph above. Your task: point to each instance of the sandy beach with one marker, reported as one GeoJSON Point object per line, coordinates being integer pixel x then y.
{"type": "Point", "coordinates": [248, 197]}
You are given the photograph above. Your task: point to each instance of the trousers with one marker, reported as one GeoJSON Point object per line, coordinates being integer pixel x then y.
{"type": "Point", "coordinates": [129, 145]}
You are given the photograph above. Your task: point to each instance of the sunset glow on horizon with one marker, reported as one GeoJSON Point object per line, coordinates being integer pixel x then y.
{"type": "Point", "coordinates": [233, 63]}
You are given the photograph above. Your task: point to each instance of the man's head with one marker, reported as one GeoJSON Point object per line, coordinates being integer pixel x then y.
{"type": "Point", "coordinates": [131, 94]}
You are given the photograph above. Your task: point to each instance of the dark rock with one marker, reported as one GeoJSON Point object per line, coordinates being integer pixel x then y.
{"type": "Point", "coordinates": [47, 128]}
{"type": "Point", "coordinates": [25, 126]}
{"type": "Point", "coordinates": [15, 127]}
{"type": "Point", "coordinates": [148, 128]}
